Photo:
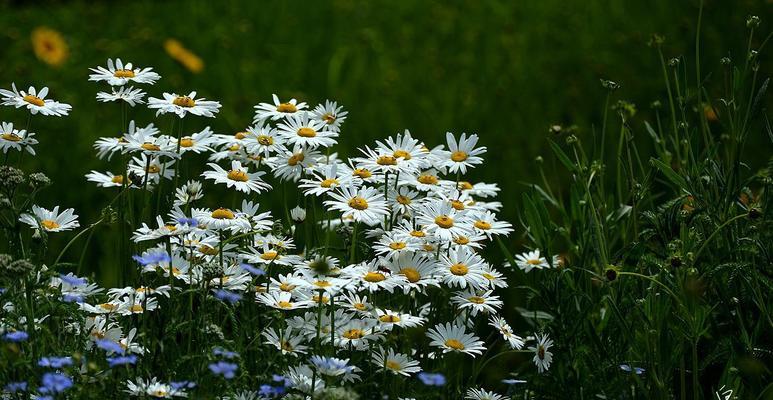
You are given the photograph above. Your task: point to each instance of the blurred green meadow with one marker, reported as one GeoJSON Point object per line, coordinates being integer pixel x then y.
{"type": "Point", "coordinates": [504, 70]}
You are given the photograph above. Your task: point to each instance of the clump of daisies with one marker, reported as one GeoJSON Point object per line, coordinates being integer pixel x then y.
{"type": "Point", "coordinates": [368, 279]}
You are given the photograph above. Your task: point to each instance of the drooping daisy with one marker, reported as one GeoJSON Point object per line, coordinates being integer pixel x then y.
{"type": "Point", "coordinates": [480, 394]}
{"type": "Point", "coordinates": [442, 220]}
{"type": "Point", "coordinates": [364, 205]}
{"type": "Point", "coordinates": [331, 114]}
{"type": "Point", "coordinates": [357, 303]}
{"type": "Point", "coordinates": [477, 302]}
{"type": "Point", "coordinates": [302, 131]}
{"type": "Point", "coordinates": [453, 338]}
{"type": "Point", "coordinates": [278, 110]}
{"type": "Point", "coordinates": [462, 154]}
{"type": "Point", "coordinates": [51, 221]}
{"type": "Point", "coordinates": [119, 74]}
{"type": "Point", "coordinates": [129, 94]}
{"type": "Point", "coordinates": [17, 139]}
{"type": "Point", "coordinates": [531, 260]}
{"type": "Point", "coordinates": [288, 342]}
{"type": "Point", "coordinates": [188, 193]}
{"type": "Point", "coordinates": [147, 141]}
{"type": "Point", "coordinates": [396, 363]}
{"type": "Point", "coordinates": [403, 201]}
{"type": "Point", "coordinates": [34, 100]}
{"type": "Point", "coordinates": [462, 268]}
{"type": "Point", "coordinates": [499, 323]}
{"type": "Point", "coordinates": [542, 355]}
{"type": "Point", "coordinates": [388, 319]}
{"type": "Point", "coordinates": [237, 177]}
{"type": "Point", "coordinates": [152, 168]}
{"type": "Point", "coordinates": [181, 105]}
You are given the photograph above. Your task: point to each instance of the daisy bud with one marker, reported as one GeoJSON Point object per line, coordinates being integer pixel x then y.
{"type": "Point", "coordinates": [298, 214]}
{"type": "Point", "coordinates": [752, 21]}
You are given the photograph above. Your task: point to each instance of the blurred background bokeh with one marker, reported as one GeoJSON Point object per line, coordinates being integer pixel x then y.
{"type": "Point", "coordinates": [505, 70]}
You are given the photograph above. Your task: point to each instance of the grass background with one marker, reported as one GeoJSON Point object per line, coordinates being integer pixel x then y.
{"type": "Point", "coordinates": [505, 70]}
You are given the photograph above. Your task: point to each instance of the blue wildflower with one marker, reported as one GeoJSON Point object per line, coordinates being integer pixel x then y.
{"type": "Point", "coordinates": [73, 280]}
{"type": "Point", "coordinates": [431, 379]}
{"type": "Point", "coordinates": [182, 385]}
{"type": "Point", "coordinates": [192, 222]}
{"type": "Point", "coordinates": [121, 360]}
{"type": "Point", "coordinates": [16, 336]}
{"type": "Point", "coordinates": [228, 296]}
{"type": "Point", "coordinates": [55, 362]}
{"type": "Point", "coordinates": [72, 298]}
{"type": "Point", "coordinates": [53, 382]}
{"type": "Point", "coordinates": [110, 346]}
{"type": "Point", "coordinates": [219, 351]}
{"type": "Point", "coordinates": [252, 270]}
{"type": "Point", "coordinates": [628, 368]}
{"type": "Point", "coordinates": [13, 387]}
{"type": "Point", "coordinates": [226, 369]}
{"type": "Point", "coordinates": [153, 257]}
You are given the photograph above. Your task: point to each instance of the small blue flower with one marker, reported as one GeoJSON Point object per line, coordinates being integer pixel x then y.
{"type": "Point", "coordinates": [253, 270]}
{"type": "Point", "coordinates": [14, 387]}
{"type": "Point", "coordinates": [283, 380]}
{"type": "Point", "coordinates": [181, 385]}
{"type": "Point", "coordinates": [228, 296]}
{"type": "Point", "coordinates": [153, 257]}
{"type": "Point", "coordinates": [16, 336]}
{"type": "Point", "coordinates": [226, 369]}
{"type": "Point", "coordinates": [55, 362]}
{"type": "Point", "coordinates": [121, 360]}
{"type": "Point", "coordinates": [271, 391]}
{"type": "Point", "coordinates": [53, 383]}
{"type": "Point", "coordinates": [72, 298]}
{"type": "Point", "coordinates": [73, 280]}
{"type": "Point", "coordinates": [3, 290]}
{"type": "Point", "coordinates": [219, 351]}
{"type": "Point", "coordinates": [513, 381]}
{"type": "Point", "coordinates": [628, 368]}
{"type": "Point", "coordinates": [110, 346]}
{"type": "Point", "coordinates": [431, 379]}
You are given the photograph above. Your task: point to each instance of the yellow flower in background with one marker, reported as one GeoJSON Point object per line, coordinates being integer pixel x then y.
{"type": "Point", "coordinates": [187, 58]}
{"type": "Point", "coordinates": [49, 46]}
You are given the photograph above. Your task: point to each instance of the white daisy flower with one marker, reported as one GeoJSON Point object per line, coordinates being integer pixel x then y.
{"type": "Point", "coordinates": [442, 220]}
{"type": "Point", "coordinates": [181, 105]}
{"type": "Point", "coordinates": [486, 223]}
{"type": "Point", "coordinates": [153, 388]}
{"type": "Point", "coordinates": [119, 74]}
{"type": "Point", "coordinates": [331, 114]}
{"type": "Point", "coordinates": [285, 341]}
{"type": "Point", "coordinates": [462, 154]}
{"type": "Point", "coordinates": [220, 219]}
{"type": "Point", "coordinates": [425, 181]}
{"type": "Point", "coordinates": [542, 355]}
{"type": "Point", "coordinates": [356, 334]}
{"type": "Point", "coordinates": [278, 110]}
{"type": "Point", "coordinates": [263, 139]}
{"type": "Point", "coordinates": [357, 303]}
{"type": "Point", "coordinates": [188, 193]}
{"type": "Point", "coordinates": [396, 363]}
{"type": "Point", "coordinates": [35, 101]}
{"type": "Point", "coordinates": [499, 323]}
{"type": "Point", "coordinates": [106, 179]}
{"type": "Point", "coordinates": [371, 277]}
{"type": "Point", "coordinates": [268, 255]}
{"type": "Point", "coordinates": [299, 130]}
{"type": "Point", "coordinates": [480, 394]}
{"type": "Point", "coordinates": [477, 302]}
{"type": "Point", "coordinates": [290, 165]}
{"type": "Point", "coordinates": [403, 201]}
{"type": "Point", "coordinates": [51, 221]}
{"type": "Point", "coordinates": [282, 301]}
{"type": "Point", "coordinates": [383, 161]}
{"type": "Point", "coordinates": [463, 268]}
{"type": "Point", "coordinates": [198, 142]}
{"type": "Point", "coordinates": [453, 338]}
{"type": "Point", "coordinates": [17, 139]}
{"type": "Point", "coordinates": [151, 167]}
{"type": "Point", "coordinates": [388, 319]}
{"type": "Point", "coordinates": [418, 270]}
{"type": "Point", "coordinates": [407, 148]}
{"type": "Point", "coordinates": [531, 260]}
{"type": "Point", "coordinates": [237, 177]}
{"type": "Point", "coordinates": [392, 244]}
{"type": "Point", "coordinates": [129, 94]}
{"type": "Point", "coordinates": [364, 205]}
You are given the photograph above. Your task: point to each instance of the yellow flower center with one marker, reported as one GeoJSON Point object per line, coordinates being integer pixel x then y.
{"type": "Point", "coordinates": [49, 224]}
{"type": "Point", "coordinates": [444, 221]}
{"type": "Point", "coordinates": [418, 234]}
{"type": "Point", "coordinates": [412, 274]}
{"type": "Point", "coordinates": [427, 179]}
{"type": "Point", "coordinates": [358, 203]}
{"type": "Point", "coordinates": [240, 135]}
{"type": "Point", "coordinates": [287, 108]}
{"type": "Point", "coordinates": [295, 159]}
{"type": "Point", "coordinates": [158, 393]}
{"type": "Point", "coordinates": [397, 245]}
{"type": "Point", "coordinates": [329, 118]}
{"type": "Point", "coordinates": [389, 318]}
{"type": "Point", "coordinates": [34, 100]}
{"type": "Point", "coordinates": [238, 175]}
{"type": "Point", "coordinates": [476, 299]}
{"type": "Point", "coordinates": [360, 306]}
{"type": "Point", "coordinates": [458, 156]}
{"type": "Point", "coordinates": [353, 333]}
{"type": "Point", "coordinates": [208, 250]}
{"type": "Point", "coordinates": [284, 304]}
{"type": "Point", "coordinates": [107, 306]}
{"type": "Point", "coordinates": [186, 142]}
{"type": "Point", "coordinates": [317, 299]}
{"type": "Point", "coordinates": [386, 160]}
{"type": "Point", "coordinates": [136, 308]}
{"type": "Point", "coordinates": [269, 255]}
{"type": "Point", "coordinates": [322, 284]}
{"type": "Point", "coordinates": [234, 147]}
{"type": "Point", "coordinates": [402, 153]}
{"type": "Point", "coordinates": [393, 365]}
{"type": "Point", "coordinates": [170, 228]}
{"type": "Point", "coordinates": [374, 277]}
{"type": "Point", "coordinates": [428, 247]}
{"type": "Point", "coordinates": [459, 269]}
{"type": "Point", "coordinates": [286, 346]}
{"type": "Point", "coordinates": [265, 140]}
{"type": "Point", "coordinates": [404, 200]}
{"type": "Point", "coordinates": [117, 179]}
{"type": "Point", "coordinates": [489, 276]}
{"type": "Point", "coordinates": [123, 73]}
{"type": "Point", "coordinates": [482, 225]}
{"type": "Point", "coordinates": [12, 137]}
{"type": "Point", "coordinates": [455, 344]}
{"type": "Point", "coordinates": [328, 183]}
{"type": "Point", "coordinates": [153, 169]}
{"type": "Point", "coordinates": [184, 101]}
{"type": "Point", "coordinates": [362, 173]}
{"type": "Point", "coordinates": [286, 287]}
{"type": "Point", "coordinates": [223, 213]}
{"type": "Point", "coordinates": [461, 240]}
{"type": "Point", "coordinates": [457, 205]}
{"type": "Point", "coordinates": [464, 185]}
{"type": "Point", "coordinates": [307, 132]}
{"type": "Point", "coordinates": [533, 261]}
{"type": "Point", "coordinates": [150, 146]}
